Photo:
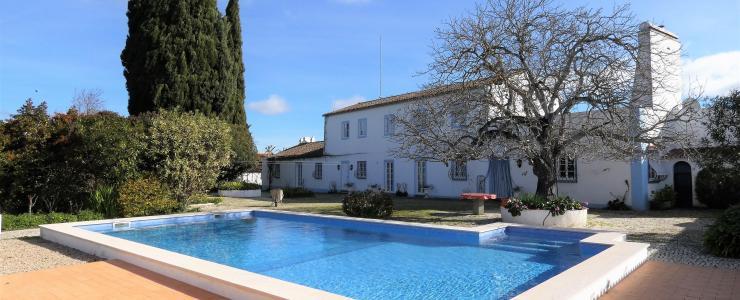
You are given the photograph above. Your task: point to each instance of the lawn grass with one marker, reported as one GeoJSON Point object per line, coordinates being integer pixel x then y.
{"type": "Point", "coordinates": [436, 211]}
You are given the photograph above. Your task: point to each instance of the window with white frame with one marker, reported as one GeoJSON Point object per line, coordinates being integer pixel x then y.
{"type": "Point", "coordinates": [345, 130]}
{"type": "Point", "coordinates": [362, 128]}
{"type": "Point", "coordinates": [421, 176]}
{"type": "Point", "coordinates": [318, 170]}
{"type": "Point", "coordinates": [459, 170]}
{"type": "Point", "coordinates": [361, 172]}
{"type": "Point", "coordinates": [567, 169]}
{"type": "Point", "coordinates": [389, 180]}
{"type": "Point", "coordinates": [276, 171]}
{"type": "Point", "coordinates": [389, 125]}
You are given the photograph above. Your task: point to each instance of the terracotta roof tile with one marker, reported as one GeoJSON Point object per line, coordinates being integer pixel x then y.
{"type": "Point", "coordinates": [408, 96]}
{"type": "Point", "coordinates": [305, 150]}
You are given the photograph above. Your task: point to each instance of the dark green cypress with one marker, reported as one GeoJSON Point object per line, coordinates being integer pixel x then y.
{"type": "Point", "coordinates": [184, 54]}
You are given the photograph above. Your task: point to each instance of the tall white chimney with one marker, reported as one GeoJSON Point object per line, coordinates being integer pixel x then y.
{"type": "Point", "coordinates": [658, 74]}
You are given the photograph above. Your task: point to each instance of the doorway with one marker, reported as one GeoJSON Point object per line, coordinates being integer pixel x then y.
{"type": "Point", "coordinates": [682, 184]}
{"type": "Point", "coordinates": [344, 175]}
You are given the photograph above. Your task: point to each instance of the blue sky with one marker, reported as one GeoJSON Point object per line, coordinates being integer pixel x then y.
{"type": "Point", "coordinates": [303, 57]}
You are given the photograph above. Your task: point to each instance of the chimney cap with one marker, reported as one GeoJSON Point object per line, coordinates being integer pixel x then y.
{"type": "Point", "coordinates": [647, 26]}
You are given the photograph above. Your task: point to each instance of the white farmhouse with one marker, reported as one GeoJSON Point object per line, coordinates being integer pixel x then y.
{"type": "Point", "coordinates": [356, 155]}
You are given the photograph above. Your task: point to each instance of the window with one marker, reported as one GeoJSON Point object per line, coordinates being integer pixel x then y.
{"type": "Point", "coordinates": [652, 174]}
{"type": "Point", "coordinates": [362, 128]}
{"type": "Point", "coordinates": [567, 169]}
{"type": "Point", "coordinates": [459, 170]}
{"type": "Point", "coordinates": [276, 171]}
{"type": "Point", "coordinates": [389, 175]}
{"type": "Point", "coordinates": [299, 174]}
{"type": "Point", "coordinates": [421, 176]}
{"type": "Point", "coordinates": [345, 130]}
{"type": "Point", "coordinates": [457, 117]}
{"type": "Point", "coordinates": [389, 125]}
{"type": "Point", "coordinates": [361, 171]}
{"type": "Point", "coordinates": [318, 170]}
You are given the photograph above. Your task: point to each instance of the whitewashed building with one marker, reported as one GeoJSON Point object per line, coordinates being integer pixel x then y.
{"type": "Point", "coordinates": [356, 154]}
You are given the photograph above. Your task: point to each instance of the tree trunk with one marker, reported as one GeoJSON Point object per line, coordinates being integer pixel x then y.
{"type": "Point", "coordinates": [545, 178]}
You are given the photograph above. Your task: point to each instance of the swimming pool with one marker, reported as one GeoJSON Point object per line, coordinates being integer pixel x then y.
{"type": "Point", "coordinates": [368, 259]}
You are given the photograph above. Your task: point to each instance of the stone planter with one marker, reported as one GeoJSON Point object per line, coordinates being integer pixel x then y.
{"type": "Point", "coordinates": [240, 193]}
{"type": "Point", "coordinates": [535, 217]}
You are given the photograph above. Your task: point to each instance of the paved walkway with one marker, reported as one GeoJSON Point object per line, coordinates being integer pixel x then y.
{"type": "Point", "coordinates": [656, 280]}
{"type": "Point", "coordinates": [98, 280]}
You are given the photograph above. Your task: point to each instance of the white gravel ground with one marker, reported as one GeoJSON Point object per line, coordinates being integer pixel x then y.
{"type": "Point", "coordinates": [24, 250]}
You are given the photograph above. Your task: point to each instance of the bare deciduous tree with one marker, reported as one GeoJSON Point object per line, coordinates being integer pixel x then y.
{"type": "Point", "coordinates": [531, 80]}
{"type": "Point", "coordinates": [88, 101]}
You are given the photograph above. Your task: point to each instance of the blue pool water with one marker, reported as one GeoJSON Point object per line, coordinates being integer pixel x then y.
{"type": "Point", "coordinates": [375, 261]}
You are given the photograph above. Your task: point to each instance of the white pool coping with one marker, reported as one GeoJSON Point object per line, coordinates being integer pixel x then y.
{"type": "Point", "coordinates": [586, 280]}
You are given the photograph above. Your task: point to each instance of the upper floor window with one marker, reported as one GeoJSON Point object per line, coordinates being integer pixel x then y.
{"type": "Point", "coordinates": [457, 117]}
{"type": "Point", "coordinates": [318, 170]}
{"type": "Point", "coordinates": [389, 125]}
{"type": "Point", "coordinates": [567, 169]}
{"type": "Point", "coordinates": [361, 171]}
{"type": "Point", "coordinates": [345, 130]}
{"type": "Point", "coordinates": [362, 128]}
{"type": "Point", "coordinates": [459, 170]}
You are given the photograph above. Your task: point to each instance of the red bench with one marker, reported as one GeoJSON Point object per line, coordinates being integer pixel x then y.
{"type": "Point", "coordinates": [478, 200]}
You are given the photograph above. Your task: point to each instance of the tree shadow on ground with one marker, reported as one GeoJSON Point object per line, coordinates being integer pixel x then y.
{"type": "Point", "coordinates": [59, 249]}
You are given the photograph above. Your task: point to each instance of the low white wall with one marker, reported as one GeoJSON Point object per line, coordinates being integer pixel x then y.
{"type": "Point", "coordinates": [240, 193]}
{"type": "Point", "coordinates": [571, 218]}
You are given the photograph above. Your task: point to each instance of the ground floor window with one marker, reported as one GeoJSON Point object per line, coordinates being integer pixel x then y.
{"type": "Point", "coordinates": [276, 171]}
{"type": "Point", "coordinates": [567, 169]}
{"type": "Point", "coordinates": [361, 171]}
{"type": "Point", "coordinates": [459, 170]}
{"type": "Point", "coordinates": [421, 176]}
{"type": "Point", "coordinates": [389, 175]}
{"type": "Point", "coordinates": [318, 170]}
{"type": "Point", "coordinates": [299, 174]}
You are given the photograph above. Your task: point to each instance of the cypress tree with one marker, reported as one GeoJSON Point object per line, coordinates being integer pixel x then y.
{"type": "Point", "coordinates": [184, 54]}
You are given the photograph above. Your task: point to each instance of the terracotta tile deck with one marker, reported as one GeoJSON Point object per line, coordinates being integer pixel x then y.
{"type": "Point", "coordinates": [656, 280]}
{"type": "Point", "coordinates": [99, 280]}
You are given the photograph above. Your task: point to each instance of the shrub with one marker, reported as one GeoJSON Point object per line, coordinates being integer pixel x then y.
{"type": "Point", "coordinates": [105, 201]}
{"type": "Point", "coordinates": [617, 204]}
{"type": "Point", "coordinates": [202, 198]}
{"type": "Point", "coordinates": [557, 205]}
{"type": "Point", "coordinates": [664, 198]}
{"type": "Point", "coordinates": [238, 185]}
{"type": "Point", "coordinates": [144, 197]}
{"type": "Point", "coordinates": [718, 187]}
{"type": "Point", "coordinates": [187, 151]}
{"type": "Point", "coordinates": [723, 237]}
{"type": "Point", "coordinates": [25, 221]}
{"type": "Point", "coordinates": [367, 204]}
{"type": "Point", "coordinates": [297, 192]}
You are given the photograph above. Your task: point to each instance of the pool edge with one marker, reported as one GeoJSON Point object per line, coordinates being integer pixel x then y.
{"type": "Point", "coordinates": [586, 280]}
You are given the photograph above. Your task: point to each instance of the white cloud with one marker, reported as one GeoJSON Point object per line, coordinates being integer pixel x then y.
{"type": "Point", "coordinates": [273, 105]}
{"type": "Point", "coordinates": [714, 74]}
{"type": "Point", "coordinates": [341, 103]}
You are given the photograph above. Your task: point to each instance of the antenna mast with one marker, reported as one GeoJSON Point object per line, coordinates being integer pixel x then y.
{"type": "Point", "coordinates": [380, 66]}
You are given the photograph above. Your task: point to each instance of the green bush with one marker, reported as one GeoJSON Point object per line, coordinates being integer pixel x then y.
{"type": "Point", "coordinates": [723, 237]}
{"type": "Point", "coordinates": [297, 192]}
{"type": "Point", "coordinates": [664, 198]}
{"type": "Point", "coordinates": [238, 185]}
{"type": "Point", "coordinates": [145, 197]}
{"type": "Point", "coordinates": [105, 201]}
{"type": "Point", "coordinates": [25, 221]}
{"type": "Point", "coordinates": [718, 187]}
{"type": "Point", "coordinates": [186, 151]}
{"type": "Point", "coordinates": [367, 204]}
{"type": "Point", "coordinates": [203, 198]}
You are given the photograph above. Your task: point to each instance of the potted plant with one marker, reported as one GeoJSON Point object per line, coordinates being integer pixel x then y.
{"type": "Point", "coordinates": [535, 210]}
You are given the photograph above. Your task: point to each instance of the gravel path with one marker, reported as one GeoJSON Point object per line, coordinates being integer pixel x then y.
{"type": "Point", "coordinates": [24, 250]}
{"type": "Point", "coordinates": [674, 235]}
